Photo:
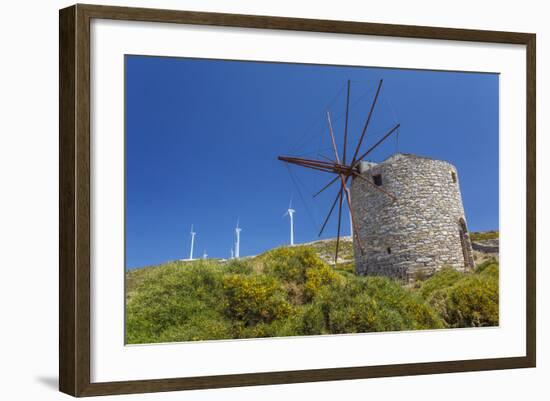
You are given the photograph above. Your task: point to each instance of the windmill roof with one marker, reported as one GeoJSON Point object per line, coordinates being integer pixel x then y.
{"type": "Point", "coordinates": [400, 155]}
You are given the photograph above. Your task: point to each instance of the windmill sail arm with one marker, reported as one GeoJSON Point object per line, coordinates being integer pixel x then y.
{"type": "Point", "coordinates": [344, 169]}
{"type": "Point", "coordinates": [339, 226]}
{"type": "Point", "coordinates": [346, 125]}
{"type": "Point", "coordinates": [327, 158]}
{"type": "Point", "coordinates": [305, 162]}
{"type": "Point", "coordinates": [326, 186]}
{"type": "Point", "coordinates": [346, 191]}
{"type": "Point", "coordinates": [354, 159]}
{"type": "Point", "coordinates": [375, 145]}
{"type": "Point", "coordinates": [334, 147]}
{"type": "Point", "coordinates": [317, 165]}
{"type": "Point", "coordinates": [330, 212]}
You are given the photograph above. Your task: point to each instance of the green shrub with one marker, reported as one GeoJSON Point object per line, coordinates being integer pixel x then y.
{"type": "Point", "coordinates": [412, 309]}
{"type": "Point", "coordinates": [365, 314]}
{"type": "Point", "coordinates": [345, 268]}
{"type": "Point", "coordinates": [471, 302]}
{"type": "Point", "coordinates": [444, 278]}
{"type": "Point", "coordinates": [420, 276]}
{"type": "Point", "coordinates": [366, 305]}
{"type": "Point", "coordinates": [312, 320]}
{"type": "Point", "coordinates": [276, 328]}
{"type": "Point", "coordinates": [491, 265]}
{"type": "Point", "coordinates": [238, 266]}
{"type": "Point", "coordinates": [491, 270]}
{"type": "Point", "coordinates": [170, 296]}
{"type": "Point", "coordinates": [201, 326]}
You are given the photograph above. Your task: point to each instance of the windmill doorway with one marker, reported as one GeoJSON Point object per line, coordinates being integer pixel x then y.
{"type": "Point", "coordinates": [465, 243]}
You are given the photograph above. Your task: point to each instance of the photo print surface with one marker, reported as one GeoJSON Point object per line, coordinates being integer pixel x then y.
{"type": "Point", "coordinates": [276, 199]}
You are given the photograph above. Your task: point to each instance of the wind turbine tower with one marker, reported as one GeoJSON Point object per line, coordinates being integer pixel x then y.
{"type": "Point", "coordinates": [238, 242]}
{"type": "Point", "coordinates": [290, 212]}
{"type": "Point", "coordinates": [193, 233]}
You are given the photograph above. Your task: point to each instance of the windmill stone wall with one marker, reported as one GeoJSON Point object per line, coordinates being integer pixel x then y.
{"type": "Point", "coordinates": [422, 230]}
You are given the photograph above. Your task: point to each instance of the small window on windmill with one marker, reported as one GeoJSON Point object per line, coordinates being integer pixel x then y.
{"type": "Point", "coordinates": [453, 176]}
{"type": "Point", "coordinates": [388, 249]}
{"type": "Point", "coordinates": [377, 178]}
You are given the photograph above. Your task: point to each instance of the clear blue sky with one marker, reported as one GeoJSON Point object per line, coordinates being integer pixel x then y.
{"type": "Point", "coordinates": [203, 136]}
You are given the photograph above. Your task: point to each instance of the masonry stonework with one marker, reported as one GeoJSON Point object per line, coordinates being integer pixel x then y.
{"type": "Point", "coordinates": [420, 231]}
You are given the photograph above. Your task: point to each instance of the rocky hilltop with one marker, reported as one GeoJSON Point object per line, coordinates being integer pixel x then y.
{"type": "Point", "coordinates": [485, 245]}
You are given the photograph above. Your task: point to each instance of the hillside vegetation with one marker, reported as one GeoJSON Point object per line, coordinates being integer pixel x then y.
{"type": "Point", "coordinates": [292, 291]}
{"type": "Point", "coordinates": [484, 235]}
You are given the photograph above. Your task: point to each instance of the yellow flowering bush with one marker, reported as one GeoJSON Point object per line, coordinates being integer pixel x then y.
{"type": "Point", "coordinates": [317, 278]}
{"type": "Point", "coordinates": [290, 264]}
{"type": "Point", "coordinates": [254, 298]}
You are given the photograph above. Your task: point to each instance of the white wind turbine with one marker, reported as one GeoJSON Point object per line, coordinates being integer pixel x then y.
{"type": "Point", "coordinates": [290, 212]}
{"type": "Point", "coordinates": [238, 242]}
{"type": "Point", "coordinates": [193, 233]}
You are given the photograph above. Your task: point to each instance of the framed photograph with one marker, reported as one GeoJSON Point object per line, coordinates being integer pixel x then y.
{"type": "Point", "coordinates": [249, 200]}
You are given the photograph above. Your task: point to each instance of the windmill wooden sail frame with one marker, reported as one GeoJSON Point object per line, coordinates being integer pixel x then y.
{"type": "Point", "coordinates": [344, 170]}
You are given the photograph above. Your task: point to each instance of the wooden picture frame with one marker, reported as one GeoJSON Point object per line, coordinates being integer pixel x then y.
{"type": "Point", "coordinates": [74, 200]}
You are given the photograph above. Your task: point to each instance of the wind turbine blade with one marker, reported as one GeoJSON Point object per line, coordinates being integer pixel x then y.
{"type": "Point", "coordinates": [375, 145]}
{"type": "Point", "coordinates": [330, 212]}
{"type": "Point", "coordinates": [332, 138]}
{"type": "Point", "coordinates": [346, 126]}
{"type": "Point", "coordinates": [339, 224]}
{"type": "Point", "coordinates": [367, 122]}
{"type": "Point", "coordinates": [328, 185]}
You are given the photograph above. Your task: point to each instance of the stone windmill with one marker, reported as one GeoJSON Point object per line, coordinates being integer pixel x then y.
{"type": "Point", "coordinates": [407, 214]}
